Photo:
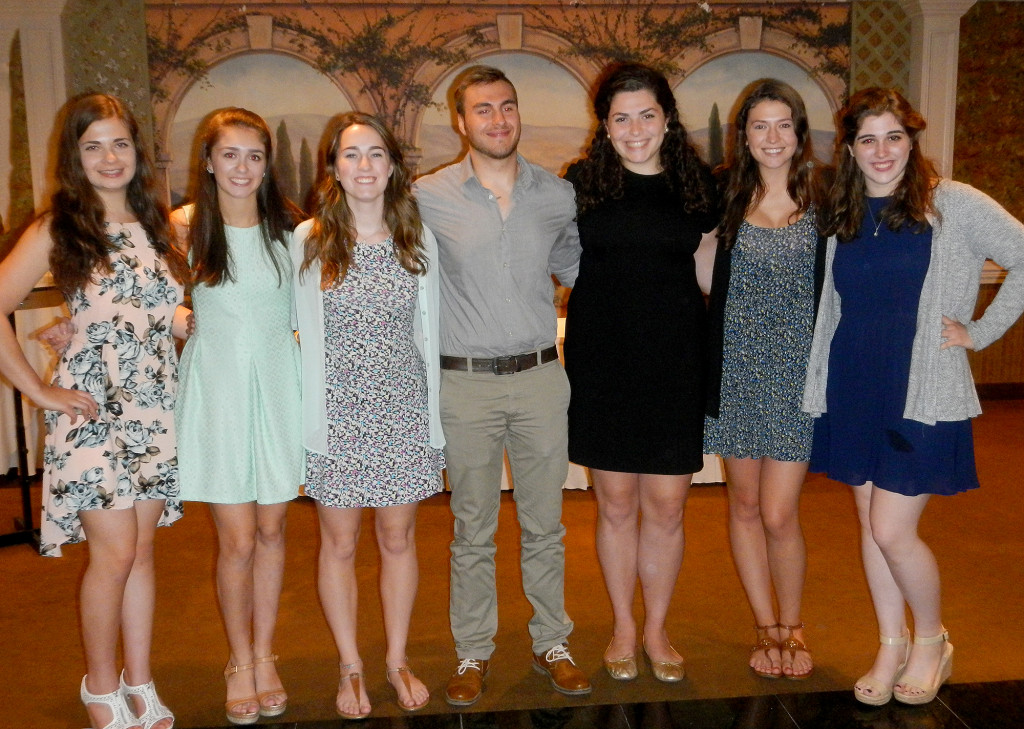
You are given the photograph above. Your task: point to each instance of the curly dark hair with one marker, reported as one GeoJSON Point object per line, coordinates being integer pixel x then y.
{"type": "Point", "coordinates": [332, 239]}
{"type": "Point", "coordinates": [208, 246]}
{"type": "Point", "coordinates": [743, 188]}
{"type": "Point", "coordinates": [601, 175]}
{"type": "Point", "coordinates": [77, 214]}
{"type": "Point", "coordinates": [912, 200]}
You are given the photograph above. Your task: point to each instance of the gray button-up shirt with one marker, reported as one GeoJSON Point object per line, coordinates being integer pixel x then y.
{"type": "Point", "coordinates": [497, 297]}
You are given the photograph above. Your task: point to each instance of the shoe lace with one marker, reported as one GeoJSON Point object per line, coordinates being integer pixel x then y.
{"type": "Point", "coordinates": [467, 663]}
{"type": "Point", "coordinates": [559, 653]}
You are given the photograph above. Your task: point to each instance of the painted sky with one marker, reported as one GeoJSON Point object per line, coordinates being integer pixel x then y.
{"type": "Point", "coordinates": [269, 84]}
{"type": "Point", "coordinates": [723, 78]}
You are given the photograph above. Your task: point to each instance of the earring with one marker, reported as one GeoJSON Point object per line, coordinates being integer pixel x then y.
{"type": "Point", "coordinates": [209, 169]}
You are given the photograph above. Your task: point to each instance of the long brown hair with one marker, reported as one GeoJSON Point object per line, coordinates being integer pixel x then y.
{"type": "Point", "coordinates": [601, 173]}
{"type": "Point", "coordinates": [80, 243]}
{"type": "Point", "coordinates": [912, 200]}
{"type": "Point", "coordinates": [744, 188]}
{"type": "Point", "coordinates": [332, 238]}
{"type": "Point", "coordinates": [208, 245]}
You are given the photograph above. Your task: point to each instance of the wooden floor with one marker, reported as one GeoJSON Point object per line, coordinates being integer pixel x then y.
{"type": "Point", "coordinates": [978, 538]}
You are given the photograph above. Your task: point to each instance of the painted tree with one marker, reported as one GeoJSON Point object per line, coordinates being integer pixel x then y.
{"type": "Point", "coordinates": [386, 52]}
{"type": "Point", "coordinates": [632, 31]}
{"type": "Point", "coordinates": [284, 163]}
{"type": "Point", "coordinates": [173, 45]}
{"type": "Point", "coordinates": [716, 149]}
{"type": "Point", "coordinates": [657, 34]}
{"type": "Point", "coordinates": [22, 205]}
{"type": "Point", "coordinates": [307, 173]}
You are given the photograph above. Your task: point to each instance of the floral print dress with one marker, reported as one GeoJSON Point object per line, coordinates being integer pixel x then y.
{"type": "Point", "coordinates": [123, 355]}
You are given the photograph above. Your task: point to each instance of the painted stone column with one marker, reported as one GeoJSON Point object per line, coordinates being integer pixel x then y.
{"type": "Point", "coordinates": [935, 45]}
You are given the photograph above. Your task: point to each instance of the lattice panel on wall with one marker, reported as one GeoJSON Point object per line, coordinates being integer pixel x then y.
{"type": "Point", "coordinates": [105, 51]}
{"type": "Point", "coordinates": [880, 46]}
{"type": "Point", "coordinates": [990, 103]}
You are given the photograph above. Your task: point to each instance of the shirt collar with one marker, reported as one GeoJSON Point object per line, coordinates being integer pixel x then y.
{"type": "Point", "coordinates": [524, 179]}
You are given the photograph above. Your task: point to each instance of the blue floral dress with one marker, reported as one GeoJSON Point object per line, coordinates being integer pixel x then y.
{"type": "Point", "coordinates": [123, 355]}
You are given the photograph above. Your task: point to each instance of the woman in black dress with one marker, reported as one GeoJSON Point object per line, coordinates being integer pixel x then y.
{"type": "Point", "coordinates": [634, 347]}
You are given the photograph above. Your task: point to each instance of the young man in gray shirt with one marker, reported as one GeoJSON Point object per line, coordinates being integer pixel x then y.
{"type": "Point", "coordinates": [503, 227]}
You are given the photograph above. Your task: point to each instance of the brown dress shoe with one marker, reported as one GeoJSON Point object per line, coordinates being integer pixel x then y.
{"type": "Point", "coordinates": [467, 683]}
{"type": "Point", "coordinates": [559, 667]}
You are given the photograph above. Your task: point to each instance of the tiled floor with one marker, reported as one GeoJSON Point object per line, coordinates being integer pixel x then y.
{"type": "Point", "coordinates": [998, 705]}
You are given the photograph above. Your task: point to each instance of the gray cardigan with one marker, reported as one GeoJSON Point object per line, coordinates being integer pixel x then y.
{"type": "Point", "coordinates": [973, 227]}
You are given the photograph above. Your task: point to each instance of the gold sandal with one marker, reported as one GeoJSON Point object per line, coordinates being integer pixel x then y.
{"type": "Point", "coordinates": [765, 642]}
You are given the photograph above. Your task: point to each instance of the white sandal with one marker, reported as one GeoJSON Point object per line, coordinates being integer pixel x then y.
{"type": "Point", "coordinates": [155, 709]}
{"type": "Point", "coordinates": [121, 716]}
{"type": "Point", "coordinates": [926, 691]}
{"type": "Point", "coordinates": [882, 692]}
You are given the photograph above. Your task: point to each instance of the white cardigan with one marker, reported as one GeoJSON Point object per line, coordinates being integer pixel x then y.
{"type": "Point", "coordinates": [309, 322]}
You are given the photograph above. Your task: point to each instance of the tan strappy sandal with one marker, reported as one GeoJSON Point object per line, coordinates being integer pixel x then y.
{"type": "Point", "coordinates": [355, 679]}
{"type": "Point", "coordinates": [267, 709]}
{"type": "Point", "coordinates": [765, 642]}
{"type": "Point", "coordinates": [241, 718]}
{"type": "Point", "coordinates": [793, 645]}
{"type": "Point", "coordinates": [404, 672]}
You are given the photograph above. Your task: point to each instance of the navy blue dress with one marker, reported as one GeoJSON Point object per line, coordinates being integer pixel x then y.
{"type": "Point", "coordinates": [863, 436]}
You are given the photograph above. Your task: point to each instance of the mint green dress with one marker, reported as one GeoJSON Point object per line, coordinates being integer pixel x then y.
{"type": "Point", "coordinates": [237, 413]}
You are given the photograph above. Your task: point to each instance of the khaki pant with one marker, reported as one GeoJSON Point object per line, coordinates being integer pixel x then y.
{"type": "Point", "coordinates": [484, 415]}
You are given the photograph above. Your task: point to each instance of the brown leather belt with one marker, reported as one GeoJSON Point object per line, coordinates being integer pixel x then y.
{"type": "Point", "coordinates": [506, 365]}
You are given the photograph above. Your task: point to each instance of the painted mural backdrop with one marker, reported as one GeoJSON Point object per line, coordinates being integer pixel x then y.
{"type": "Point", "coordinates": [297, 64]}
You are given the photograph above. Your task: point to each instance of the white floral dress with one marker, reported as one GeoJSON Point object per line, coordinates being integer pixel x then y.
{"type": "Point", "coordinates": [123, 355]}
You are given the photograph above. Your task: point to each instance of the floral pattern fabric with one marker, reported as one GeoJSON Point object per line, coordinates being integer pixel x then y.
{"type": "Point", "coordinates": [123, 355]}
{"type": "Point", "coordinates": [378, 428]}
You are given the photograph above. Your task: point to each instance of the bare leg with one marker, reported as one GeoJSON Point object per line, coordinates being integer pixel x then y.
{"type": "Point", "coordinates": [399, 578]}
{"type": "Point", "coordinates": [618, 535]}
{"type": "Point", "coordinates": [111, 536]}
{"type": "Point", "coordinates": [894, 520]}
{"type": "Point", "coordinates": [886, 596]}
{"type": "Point", "coordinates": [236, 528]}
{"type": "Point", "coordinates": [660, 555]}
{"type": "Point", "coordinates": [750, 553]}
{"type": "Point", "coordinates": [337, 585]}
{"type": "Point", "coordinates": [139, 604]}
{"type": "Point", "coordinates": [268, 574]}
{"type": "Point", "coordinates": [781, 483]}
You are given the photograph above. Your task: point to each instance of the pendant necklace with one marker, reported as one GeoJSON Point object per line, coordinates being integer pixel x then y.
{"type": "Point", "coordinates": [879, 223]}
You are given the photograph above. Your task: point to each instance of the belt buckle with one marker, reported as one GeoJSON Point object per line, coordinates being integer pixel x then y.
{"type": "Point", "coordinates": [507, 365]}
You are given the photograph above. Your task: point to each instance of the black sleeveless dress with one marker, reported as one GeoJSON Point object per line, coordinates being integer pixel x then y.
{"type": "Point", "coordinates": [635, 335]}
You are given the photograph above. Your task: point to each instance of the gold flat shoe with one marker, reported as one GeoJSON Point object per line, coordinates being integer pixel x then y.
{"type": "Point", "coordinates": [622, 669]}
{"type": "Point", "coordinates": [666, 671]}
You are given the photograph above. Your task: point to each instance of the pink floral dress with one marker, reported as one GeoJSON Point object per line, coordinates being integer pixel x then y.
{"type": "Point", "coordinates": [123, 355]}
